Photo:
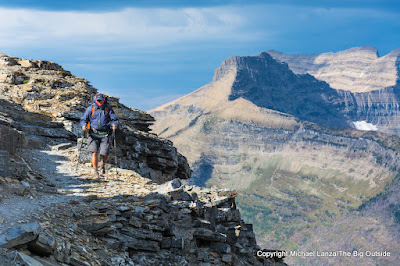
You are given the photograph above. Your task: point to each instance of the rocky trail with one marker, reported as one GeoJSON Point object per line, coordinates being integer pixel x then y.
{"type": "Point", "coordinates": [70, 218]}
{"type": "Point", "coordinates": [61, 181]}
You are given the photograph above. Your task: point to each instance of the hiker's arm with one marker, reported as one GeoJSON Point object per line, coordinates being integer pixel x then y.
{"type": "Point", "coordinates": [114, 119]}
{"type": "Point", "coordinates": [86, 117]}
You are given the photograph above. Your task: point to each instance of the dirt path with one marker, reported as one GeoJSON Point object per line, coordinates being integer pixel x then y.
{"type": "Point", "coordinates": [63, 182]}
{"type": "Point", "coordinates": [58, 175]}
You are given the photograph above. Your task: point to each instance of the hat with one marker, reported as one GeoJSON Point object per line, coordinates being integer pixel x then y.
{"type": "Point", "coordinates": [99, 97]}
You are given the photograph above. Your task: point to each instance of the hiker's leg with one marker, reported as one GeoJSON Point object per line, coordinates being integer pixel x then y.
{"type": "Point", "coordinates": [93, 147]}
{"type": "Point", "coordinates": [105, 148]}
{"type": "Point", "coordinates": [105, 158]}
{"type": "Point", "coordinates": [95, 160]}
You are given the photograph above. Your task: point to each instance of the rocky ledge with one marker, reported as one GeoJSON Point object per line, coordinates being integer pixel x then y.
{"type": "Point", "coordinates": [168, 224]}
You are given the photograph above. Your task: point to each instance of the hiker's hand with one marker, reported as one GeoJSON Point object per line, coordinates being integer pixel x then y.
{"type": "Point", "coordinates": [84, 127]}
{"type": "Point", "coordinates": [114, 127]}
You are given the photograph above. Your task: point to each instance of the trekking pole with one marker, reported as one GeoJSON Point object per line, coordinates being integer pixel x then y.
{"type": "Point", "coordinates": [80, 150]}
{"type": "Point", "coordinates": [115, 151]}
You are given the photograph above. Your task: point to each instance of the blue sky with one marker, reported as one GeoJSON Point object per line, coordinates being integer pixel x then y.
{"type": "Point", "coordinates": [151, 52]}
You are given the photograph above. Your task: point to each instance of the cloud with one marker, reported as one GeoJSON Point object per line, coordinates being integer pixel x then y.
{"type": "Point", "coordinates": [135, 27]}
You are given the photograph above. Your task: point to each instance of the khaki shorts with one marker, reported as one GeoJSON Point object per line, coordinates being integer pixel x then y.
{"type": "Point", "coordinates": [101, 145]}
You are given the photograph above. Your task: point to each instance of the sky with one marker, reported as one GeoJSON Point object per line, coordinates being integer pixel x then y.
{"type": "Point", "coordinates": [149, 53]}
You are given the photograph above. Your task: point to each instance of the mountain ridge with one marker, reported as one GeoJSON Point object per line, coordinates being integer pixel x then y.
{"type": "Point", "coordinates": [292, 174]}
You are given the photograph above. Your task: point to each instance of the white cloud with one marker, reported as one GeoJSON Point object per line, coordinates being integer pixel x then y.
{"type": "Point", "coordinates": [139, 27]}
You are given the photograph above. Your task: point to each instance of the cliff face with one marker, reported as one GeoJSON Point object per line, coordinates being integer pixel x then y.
{"type": "Point", "coordinates": [270, 84]}
{"type": "Point", "coordinates": [368, 85]}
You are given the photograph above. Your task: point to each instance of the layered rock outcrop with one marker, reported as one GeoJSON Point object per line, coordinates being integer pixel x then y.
{"type": "Point", "coordinates": [170, 225]}
{"type": "Point", "coordinates": [42, 104]}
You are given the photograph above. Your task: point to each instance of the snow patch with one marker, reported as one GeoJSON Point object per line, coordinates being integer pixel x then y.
{"type": "Point", "coordinates": [363, 125]}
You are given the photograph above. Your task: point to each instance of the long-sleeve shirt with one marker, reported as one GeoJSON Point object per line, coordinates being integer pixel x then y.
{"type": "Point", "coordinates": [100, 120]}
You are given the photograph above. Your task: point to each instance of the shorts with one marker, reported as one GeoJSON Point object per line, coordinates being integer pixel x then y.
{"type": "Point", "coordinates": [102, 145]}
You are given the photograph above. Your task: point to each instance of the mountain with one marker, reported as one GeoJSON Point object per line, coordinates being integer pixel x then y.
{"type": "Point", "coordinates": [368, 85]}
{"type": "Point", "coordinates": [54, 212]}
{"type": "Point", "coordinates": [288, 143]}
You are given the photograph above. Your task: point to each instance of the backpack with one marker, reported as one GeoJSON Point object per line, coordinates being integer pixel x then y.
{"type": "Point", "coordinates": [92, 98]}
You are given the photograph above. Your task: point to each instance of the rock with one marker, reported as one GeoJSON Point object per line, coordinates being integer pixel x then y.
{"type": "Point", "coordinates": [207, 234]}
{"type": "Point", "coordinates": [4, 163]}
{"type": "Point", "coordinates": [135, 221]}
{"type": "Point", "coordinates": [140, 244]}
{"type": "Point", "coordinates": [140, 209]}
{"type": "Point", "coordinates": [96, 225]}
{"type": "Point", "coordinates": [25, 184]}
{"type": "Point", "coordinates": [142, 234]}
{"type": "Point", "coordinates": [44, 245]}
{"type": "Point", "coordinates": [202, 223]}
{"type": "Point", "coordinates": [123, 208]}
{"type": "Point", "coordinates": [202, 254]}
{"type": "Point", "coordinates": [172, 242]}
{"type": "Point", "coordinates": [228, 215]}
{"type": "Point", "coordinates": [170, 185]}
{"type": "Point", "coordinates": [62, 146]}
{"type": "Point", "coordinates": [227, 258]}
{"type": "Point", "coordinates": [75, 260]}
{"type": "Point", "coordinates": [28, 260]}
{"type": "Point", "coordinates": [46, 262]}
{"type": "Point", "coordinates": [117, 261]}
{"type": "Point", "coordinates": [220, 247]}
{"type": "Point", "coordinates": [179, 194]}
{"type": "Point", "coordinates": [20, 235]}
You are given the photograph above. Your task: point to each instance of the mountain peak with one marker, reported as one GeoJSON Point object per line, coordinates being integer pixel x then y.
{"type": "Point", "coordinates": [358, 69]}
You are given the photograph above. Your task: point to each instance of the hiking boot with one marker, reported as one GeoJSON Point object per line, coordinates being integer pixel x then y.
{"type": "Point", "coordinates": [103, 168]}
{"type": "Point", "coordinates": [96, 174]}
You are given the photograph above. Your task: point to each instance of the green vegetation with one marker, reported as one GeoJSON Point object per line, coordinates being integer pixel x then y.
{"type": "Point", "coordinates": [284, 205]}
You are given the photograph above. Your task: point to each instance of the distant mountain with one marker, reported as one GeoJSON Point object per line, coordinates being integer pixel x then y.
{"type": "Point", "coordinates": [286, 140]}
{"type": "Point", "coordinates": [368, 85]}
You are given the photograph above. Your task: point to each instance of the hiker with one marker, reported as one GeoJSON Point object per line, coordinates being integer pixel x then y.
{"type": "Point", "coordinates": [98, 118]}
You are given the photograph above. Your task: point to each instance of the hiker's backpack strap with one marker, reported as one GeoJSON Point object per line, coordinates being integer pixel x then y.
{"type": "Point", "coordinates": [108, 112]}
{"type": "Point", "coordinates": [93, 110]}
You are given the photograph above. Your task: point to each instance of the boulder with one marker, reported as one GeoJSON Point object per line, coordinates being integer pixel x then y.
{"type": "Point", "coordinates": [20, 235]}
{"type": "Point", "coordinates": [44, 245]}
